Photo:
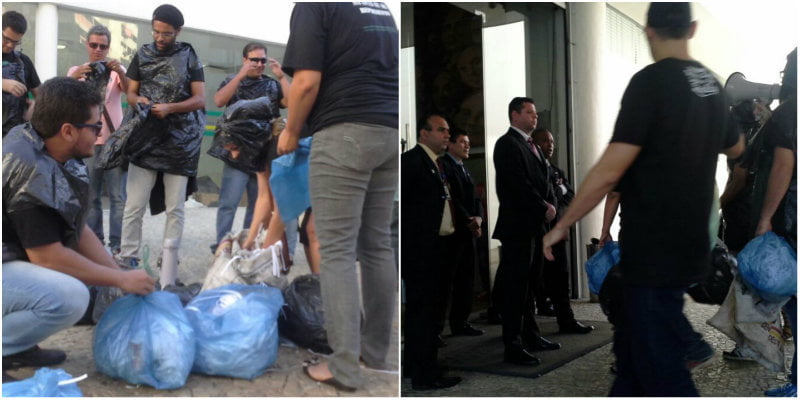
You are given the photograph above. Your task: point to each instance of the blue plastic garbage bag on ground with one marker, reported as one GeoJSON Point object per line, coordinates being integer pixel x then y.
{"type": "Point", "coordinates": [289, 181]}
{"type": "Point", "coordinates": [598, 265]}
{"type": "Point", "coordinates": [146, 340]}
{"type": "Point", "coordinates": [768, 265]}
{"type": "Point", "coordinates": [237, 329]}
{"type": "Point", "coordinates": [44, 383]}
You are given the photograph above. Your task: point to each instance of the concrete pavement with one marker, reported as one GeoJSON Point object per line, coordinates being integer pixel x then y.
{"type": "Point", "coordinates": [285, 378]}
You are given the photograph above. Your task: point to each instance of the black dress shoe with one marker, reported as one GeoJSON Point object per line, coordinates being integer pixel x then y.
{"type": "Point", "coordinates": [540, 343]}
{"type": "Point", "coordinates": [546, 311]}
{"type": "Point", "coordinates": [467, 330]}
{"type": "Point", "coordinates": [34, 357]}
{"type": "Point", "coordinates": [440, 342]}
{"type": "Point", "coordinates": [575, 327]}
{"type": "Point", "coordinates": [520, 356]}
{"type": "Point", "coordinates": [438, 383]}
{"type": "Point", "coordinates": [493, 317]}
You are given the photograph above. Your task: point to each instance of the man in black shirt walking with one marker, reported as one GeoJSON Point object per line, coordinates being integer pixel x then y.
{"type": "Point", "coordinates": [666, 246]}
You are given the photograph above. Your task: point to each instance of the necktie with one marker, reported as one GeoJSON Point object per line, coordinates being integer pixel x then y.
{"type": "Point", "coordinates": [533, 148]}
{"type": "Point", "coordinates": [443, 176]}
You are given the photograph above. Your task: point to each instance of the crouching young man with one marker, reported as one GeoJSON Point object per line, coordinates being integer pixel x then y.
{"type": "Point", "coordinates": [49, 253]}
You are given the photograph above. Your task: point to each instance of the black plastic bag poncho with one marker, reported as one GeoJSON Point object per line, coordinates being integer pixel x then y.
{"type": "Point", "coordinates": [31, 178]}
{"type": "Point", "coordinates": [172, 144]}
{"type": "Point", "coordinates": [98, 78]}
{"type": "Point", "coordinates": [247, 124]}
{"type": "Point", "coordinates": [13, 106]}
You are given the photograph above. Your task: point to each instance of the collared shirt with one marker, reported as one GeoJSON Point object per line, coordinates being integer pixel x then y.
{"type": "Point", "coordinates": [527, 138]}
{"type": "Point", "coordinates": [458, 162]}
{"type": "Point", "coordinates": [447, 227]}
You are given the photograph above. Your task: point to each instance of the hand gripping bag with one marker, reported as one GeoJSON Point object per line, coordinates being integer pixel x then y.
{"type": "Point", "coordinates": [45, 382]}
{"type": "Point", "coordinates": [598, 265]}
{"type": "Point", "coordinates": [146, 340]}
{"type": "Point", "coordinates": [768, 265]}
{"type": "Point", "coordinates": [237, 329]}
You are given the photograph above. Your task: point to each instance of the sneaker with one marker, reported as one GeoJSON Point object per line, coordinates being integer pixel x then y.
{"type": "Point", "coordinates": [787, 390]}
{"type": "Point", "coordinates": [34, 357]}
{"type": "Point", "coordinates": [127, 262]}
{"type": "Point", "coordinates": [735, 355]}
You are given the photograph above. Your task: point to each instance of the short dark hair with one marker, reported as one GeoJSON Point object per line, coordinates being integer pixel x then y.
{"type": "Point", "coordinates": [670, 20]}
{"type": "Point", "coordinates": [423, 122]}
{"type": "Point", "coordinates": [516, 105]}
{"type": "Point", "coordinates": [15, 21]}
{"type": "Point", "coordinates": [99, 30]}
{"type": "Point", "coordinates": [63, 100]}
{"type": "Point", "coordinates": [457, 133]}
{"type": "Point", "coordinates": [789, 81]}
{"type": "Point", "coordinates": [540, 130]}
{"type": "Point", "coordinates": [168, 14]}
{"type": "Point", "coordinates": [253, 46]}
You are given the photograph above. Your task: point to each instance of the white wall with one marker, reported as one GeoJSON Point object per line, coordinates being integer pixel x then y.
{"type": "Point", "coordinates": [503, 79]}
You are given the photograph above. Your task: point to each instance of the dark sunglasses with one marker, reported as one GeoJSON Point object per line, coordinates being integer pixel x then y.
{"type": "Point", "coordinates": [95, 45]}
{"type": "Point", "coordinates": [96, 127]}
{"type": "Point", "coordinates": [12, 41]}
{"type": "Point", "coordinates": [258, 60]}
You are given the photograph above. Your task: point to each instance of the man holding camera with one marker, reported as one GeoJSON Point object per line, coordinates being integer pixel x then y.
{"type": "Point", "coordinates": [99, 68]}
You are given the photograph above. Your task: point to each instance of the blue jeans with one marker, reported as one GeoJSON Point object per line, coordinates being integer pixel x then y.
{"type": "Point", "coordinates": [352, 180]}
{"type": "Point", "coordinates": [649, 346]}
{"type": "Point", "coordinates": [112, 180]}
{"type": "Point", "coordinates": [38, 302]}
{"type": "Point", "coordinates": [234, 183]}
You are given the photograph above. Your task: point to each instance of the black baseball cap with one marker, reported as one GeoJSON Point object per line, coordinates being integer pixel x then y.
{"type": "Point", "coordinates": [669, 15]}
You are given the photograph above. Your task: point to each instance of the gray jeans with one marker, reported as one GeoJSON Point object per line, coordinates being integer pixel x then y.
{"type": "Point", "coordinates": [139, 184]}
{"type": "Point", "coordinates": [352, 179]}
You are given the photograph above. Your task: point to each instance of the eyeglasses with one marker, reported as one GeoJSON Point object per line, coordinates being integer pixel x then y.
{"type": "Point", "coordinates": [96, 45]}
{"type": "Point", "coordinates": [96, 127]}
{"type": "Point", "coordinates": [165, 35]}
{"type": "Point", "coordinates": [12, 41]}
{"type": "Point", "coordinates": [258, 60]}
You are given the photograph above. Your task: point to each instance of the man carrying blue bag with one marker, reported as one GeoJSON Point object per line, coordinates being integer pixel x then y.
{"type": "Point", "coordinates": [49, 253]}
{"type": "Point", "coordinates": [778, 211]}
{"type": "Point", "coordinates": [673, 109]}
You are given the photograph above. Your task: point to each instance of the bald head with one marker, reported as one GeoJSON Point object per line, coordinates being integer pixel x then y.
{"type": "Point", "coordinates": [544, 139]}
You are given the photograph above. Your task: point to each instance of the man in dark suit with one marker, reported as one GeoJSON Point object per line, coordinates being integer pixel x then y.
{"type": "Point", "coordinates": [427, 213]}
{"type": "Point", "coordinates": [459, 249]}
{"type": "Point", "coordinates": [554, 284]}
{"type": "Point", "coordinates": [523, 191]}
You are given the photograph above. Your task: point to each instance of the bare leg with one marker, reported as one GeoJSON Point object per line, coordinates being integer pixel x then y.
{"type": "Point", "coordinates": [263, 209]}
{"type": "Point", "coordinates": [312, 249]}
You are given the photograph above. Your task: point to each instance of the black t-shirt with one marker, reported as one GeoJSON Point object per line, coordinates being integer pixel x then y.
{"type": "Point", "coordinates": [676, 111]}
{"type": "Point", "coordinates": [31, 79]}
{"type": "Point", "coordinates": [354, 45]}
{"type": "Point", "coordinates": [781, 131]}
{"type": "Point", "coordinates": [17, 66]}
{"type": "Point", "coordinates": [32, 227]}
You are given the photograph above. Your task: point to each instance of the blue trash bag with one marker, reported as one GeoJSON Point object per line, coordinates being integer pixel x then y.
{"type": "Point", "coordinates": [289, 181]}
{"type": "Point", "coordinates": [44, 383]}
{"type": "Point", "coordinates": [768, 265]}
{"type": "Point", "coordinates": [237, 329]}
{"type": "Point", "coordinates": [598, 265]}
{"type": "Point", "coordinates": [146, 340]}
